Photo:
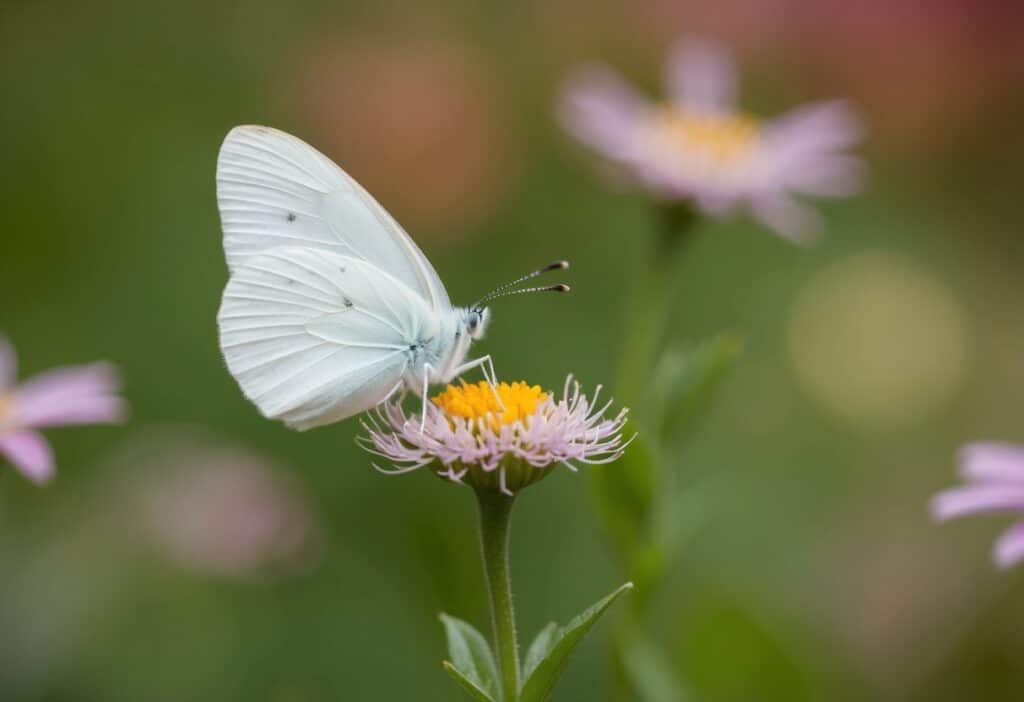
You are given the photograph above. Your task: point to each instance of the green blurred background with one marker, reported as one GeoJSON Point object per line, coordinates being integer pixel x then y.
{"type": "Point", "coordinates": [870, 358]}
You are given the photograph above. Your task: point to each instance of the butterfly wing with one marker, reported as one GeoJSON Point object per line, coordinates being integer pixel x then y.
{"type": "Point", "coordinates": [313, 337]}
{"type": "Point", "coordinates": [274, 190]}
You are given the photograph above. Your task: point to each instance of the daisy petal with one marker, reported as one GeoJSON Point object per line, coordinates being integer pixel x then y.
{"type": "Point", "coordinates": [787, 217]}
{"type": "Point", "coordinates": [992, 461]}
{"type": "Point", "coordinates": [962, 501]}
{"type": "Point", "coordinates": [1009, 549]}
{"type": "Point", "coordinates": [816, 128]}
{"type": "Point", "coordinates": [73, 395]}
{"type": "Point", "coordinates": [29, 453]}
{"type": "Point", "coordinates": [826, 176]}
{"type": "Point", "coordinates": [701, 74]}
{"type": "Point", "coordinates": [600, 109]}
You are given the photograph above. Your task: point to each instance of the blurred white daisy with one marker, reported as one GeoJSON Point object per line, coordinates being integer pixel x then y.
{"type": "Point", "coordinates": [699, 147]}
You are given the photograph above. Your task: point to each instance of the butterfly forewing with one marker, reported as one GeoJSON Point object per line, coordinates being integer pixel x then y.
{"type": "Point", "coordinates": [275, 190]}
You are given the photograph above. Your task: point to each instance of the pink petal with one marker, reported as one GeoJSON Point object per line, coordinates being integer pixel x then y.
{"type": "Point", "coordinates": [600, 109]}
{"type": "Point", "coordinates": [1009, 549]}
{"type": "Point", "coordinates": [8, 364]}
{"type": "Point", "coordinates": [972, 499]}
{"type": "Point", "coordinates": [72, 395]}
{"type": "Point", "coordinates": [787, 217]}
{"type": "Point", "coordinates": [29, 453]}
{"type": "Point", "coordinates": [825, 176]}
{"type": "Point", "coordinates": [101, 409]}
{"type": "Point", "coordinates": [992, 461]}
{"type": "Point", "coordinates": [816, 128]}
{"type": "Point", "coordinates": [702, 74]}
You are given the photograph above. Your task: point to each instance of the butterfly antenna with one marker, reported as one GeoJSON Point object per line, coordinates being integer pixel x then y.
{"type": "Point", "coordinates": [506, 289]}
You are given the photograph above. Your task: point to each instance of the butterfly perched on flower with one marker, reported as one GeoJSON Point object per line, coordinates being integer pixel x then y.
{"type": "Point", "coordinates": [330, 308]}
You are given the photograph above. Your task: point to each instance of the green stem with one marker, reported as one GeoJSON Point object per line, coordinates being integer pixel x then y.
{"type": "Point", "coordinates": [495, 514]}
{"type": "Point", "coordinates": [650, 303]}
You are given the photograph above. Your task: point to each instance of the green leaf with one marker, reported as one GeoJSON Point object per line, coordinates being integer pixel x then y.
{"type": "Point", "coordinates": [623, 493]}
{"type": "Point", "coordinates": [540, 648]}
{"type": "Point", "coordinates": [468, 685]}
{"type": "Point", "coordinates": [685, 382]}
{"type": "Point", "coordinates": [550, 651]}
{"type": "Point", "coordinates": [472, 662]}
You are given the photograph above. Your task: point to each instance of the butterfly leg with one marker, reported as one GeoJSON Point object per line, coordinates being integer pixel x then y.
{"type": "Point", "coordinates": [427, 368]}
{"type": "Point", "coordinates": [486, 366]}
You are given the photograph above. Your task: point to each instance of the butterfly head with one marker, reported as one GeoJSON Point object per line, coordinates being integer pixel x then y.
{"type": "Point", "coordinates": [476, 321]}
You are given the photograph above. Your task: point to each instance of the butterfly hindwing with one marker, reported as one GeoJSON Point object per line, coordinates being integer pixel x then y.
{"type": "Point", "coordinates": [313, 336]}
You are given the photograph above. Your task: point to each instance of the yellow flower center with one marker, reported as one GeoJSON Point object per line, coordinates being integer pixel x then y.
{"type": "Point", "coordinates": [473, 401]}
{"type": "Point", "coordinates": [715, 139]}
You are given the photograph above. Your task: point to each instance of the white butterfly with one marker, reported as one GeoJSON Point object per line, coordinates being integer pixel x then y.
{"type": "Point", "coordinates": [330, 308]}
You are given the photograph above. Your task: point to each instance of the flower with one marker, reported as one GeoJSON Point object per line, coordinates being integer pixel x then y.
{"type": "Point", "coordinates": [995, 475]}
{"type": "Point", "coordinates": [700, 148]}
{"type": "Point", "coordinates": [60, 397]}
{"type": "Point", "coordinates": [470, 436]}
{"type": "Point", "coordinates": [217, 509]}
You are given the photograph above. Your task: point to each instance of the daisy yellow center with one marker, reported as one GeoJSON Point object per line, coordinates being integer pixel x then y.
{"type": "Point", "coordinates": [477, 400]}
{"type": "Point", "coordinates": [716, 138]}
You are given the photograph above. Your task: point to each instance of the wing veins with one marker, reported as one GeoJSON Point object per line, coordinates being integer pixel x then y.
{"type": "Point", "coordinates": [261, 185]}
{"type": "Point", "coordinates": [319, 387]}
{"type": "Point", "coordinates": [243, 166]}
{"type": "Point", "coordinates": [266, 286]}
{"type": "Point", "coordinates": [258, 146]}
{"type": "Point", "coordinates": [236, 296]}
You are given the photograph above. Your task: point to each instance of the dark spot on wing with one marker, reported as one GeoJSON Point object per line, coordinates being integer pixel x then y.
{"type": "Point", "coordinates": [348, 303]}
{"type": "Point", "coordinates": [292, 216]}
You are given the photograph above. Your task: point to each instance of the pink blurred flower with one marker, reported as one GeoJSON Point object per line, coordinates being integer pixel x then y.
{"type": "Point", "coordinates": [469, 437]}
{"type": "Point", "coordinates": [931, 75]}
{"type": "Point", "coordinates": [995, 483]}
{"type": "Point", "coordinates": [220, 510]}
{"type": "Point", "coordinates": [61, 397]}
{"type": "Point", "coordinates": [699, 147]}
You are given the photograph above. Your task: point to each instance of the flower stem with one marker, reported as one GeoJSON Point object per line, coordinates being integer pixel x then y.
{"type": "Point", "coordinates": [650, 302]}
{"type": "Point", "coordinates": [495, 514]}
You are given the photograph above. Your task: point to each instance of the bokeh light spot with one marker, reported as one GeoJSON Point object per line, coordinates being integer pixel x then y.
{"type": "Point", "coordinates": [879, 340]}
